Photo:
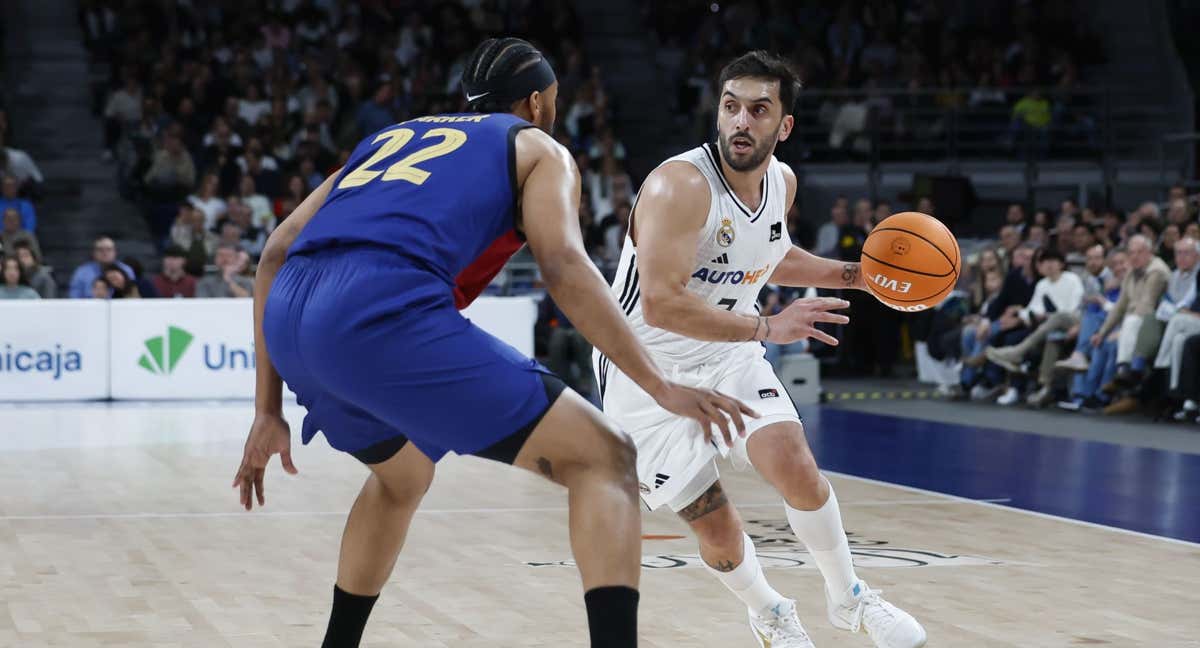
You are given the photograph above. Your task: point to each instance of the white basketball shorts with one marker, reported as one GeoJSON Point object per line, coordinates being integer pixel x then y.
{"type": "Point", "coordinates": [675, 463]}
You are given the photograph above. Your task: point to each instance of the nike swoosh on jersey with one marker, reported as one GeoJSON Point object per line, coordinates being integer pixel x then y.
{"type": "Point", "coordinates": [474, 97]}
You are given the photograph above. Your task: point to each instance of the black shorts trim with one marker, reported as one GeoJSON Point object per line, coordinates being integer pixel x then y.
{"type": "Point", "coordinates": [382, 451]}
{"type": "Point", "coordinates": [505, 450]}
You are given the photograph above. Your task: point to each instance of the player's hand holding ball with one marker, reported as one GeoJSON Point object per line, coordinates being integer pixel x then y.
{"type": "Point", "coordinates": [799, 320]}
{"type": "Point", "coordinates": [911, 261]}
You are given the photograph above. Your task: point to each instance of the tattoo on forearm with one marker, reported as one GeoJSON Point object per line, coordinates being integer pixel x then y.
{"type": "Point", "coordinates": [712, 499]}
{"type": "Point", "coordinates": [543, 465]}
{"type": "Point", "coordinates": [850, 274]}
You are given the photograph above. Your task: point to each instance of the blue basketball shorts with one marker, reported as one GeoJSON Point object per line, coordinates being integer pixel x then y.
{"type": "Point", "coordinates": [377, 353]}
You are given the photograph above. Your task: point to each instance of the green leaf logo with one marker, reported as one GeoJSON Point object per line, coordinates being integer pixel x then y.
{"type": "Point", "coordinates": [163, 352]}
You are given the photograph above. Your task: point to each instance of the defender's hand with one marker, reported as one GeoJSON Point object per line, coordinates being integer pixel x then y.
{"type": "Point", "coordinates": [706, 406]}
{"type": "Point", "coordinates": [269, 434]}
{"type": "Point", "coordinates": [799, 319]}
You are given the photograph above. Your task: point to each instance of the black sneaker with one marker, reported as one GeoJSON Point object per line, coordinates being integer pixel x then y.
{"type": "Point", "coordinates": [1093, 404]}
{"type": "Point", "coordinates": [1128, 377]}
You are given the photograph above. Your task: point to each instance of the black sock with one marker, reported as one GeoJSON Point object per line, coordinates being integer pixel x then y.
{"type": "Point", "coordinates": [349, 617]}
{"type": "Point", "coordinates": [612, 616]}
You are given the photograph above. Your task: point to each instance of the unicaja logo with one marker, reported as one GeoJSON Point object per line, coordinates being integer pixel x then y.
{"type": "Point", "coordinates": [163, 352]}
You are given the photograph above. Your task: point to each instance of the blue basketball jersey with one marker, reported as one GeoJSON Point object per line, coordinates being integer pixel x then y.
{"type": "Point", "coordinates": [439, 190]}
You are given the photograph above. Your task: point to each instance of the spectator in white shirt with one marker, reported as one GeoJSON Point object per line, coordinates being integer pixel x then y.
{"type": "Point", "coordinates": [1054, 308]}
{"type": "Point", "coordinates": [207, 201]}
{"type": "Point", "coordinates": [124, 107]}
{"type": "Point", "coordinates": [222, 135]}
{"type": "Point", "coordinates": [253, 106]}
{"type": "Point", "coordinates": [189, 233]}
{"type": "Point", "coordinates": [18, 164]}
{"type": "Point", "coordinates": [1182, 316]}
{"type": "Point", "coordinates": [260, 207]}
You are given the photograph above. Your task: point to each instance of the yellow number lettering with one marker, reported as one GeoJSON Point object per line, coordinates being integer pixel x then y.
{"type": "Point", "coordinates": [406, 170]}
{"type": "Point", "coordinates": [396, 139]}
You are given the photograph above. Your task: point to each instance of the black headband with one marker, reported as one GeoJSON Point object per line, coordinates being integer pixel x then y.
{"type": "Point", "coordinates": [535, 78]}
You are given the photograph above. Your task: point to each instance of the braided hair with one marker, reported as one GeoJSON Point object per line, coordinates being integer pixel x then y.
{"type": "Point", "coordinates": [495, 60]}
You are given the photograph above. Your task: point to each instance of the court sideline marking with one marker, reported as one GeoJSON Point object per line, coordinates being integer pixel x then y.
{"type": "Point", "coordinates": [470, 511]}
{"type": "Point", "coordinates": [998, 505]}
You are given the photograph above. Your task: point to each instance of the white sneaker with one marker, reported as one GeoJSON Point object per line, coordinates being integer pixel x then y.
{"type": "Point", "coordinates": [779, 627]}
{"type": "Point", "coordinates": [1009, 397]}
{"type": "Point", "coordinates": [887, 625]}
{"type": "Point", "coordinates": [1077, 362]}
{"type": "Point", "coordinates": [982, 393]}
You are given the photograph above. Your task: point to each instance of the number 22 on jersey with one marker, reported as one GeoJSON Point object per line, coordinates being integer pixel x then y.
{"type": "Point", "coordinates": [405, 168]}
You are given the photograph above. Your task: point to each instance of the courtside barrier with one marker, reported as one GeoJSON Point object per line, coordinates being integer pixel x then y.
{"type": "Point", "coordinates": [163, 348]}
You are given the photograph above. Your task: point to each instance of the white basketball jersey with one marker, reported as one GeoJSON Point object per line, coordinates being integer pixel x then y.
{"type": "Point", "coordinates": [739, 249]}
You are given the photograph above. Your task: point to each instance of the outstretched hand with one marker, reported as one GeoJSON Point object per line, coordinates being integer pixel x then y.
{"type": "Point", "coordinates": [269, 435]}
{"type": "Point", "coordinates": [799, 320]}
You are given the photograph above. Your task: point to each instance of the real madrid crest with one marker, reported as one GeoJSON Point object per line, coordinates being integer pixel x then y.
{"type": "Point", "coordinates": [725, 234]}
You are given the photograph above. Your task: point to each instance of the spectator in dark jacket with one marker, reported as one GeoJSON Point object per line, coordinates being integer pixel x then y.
{"type": "Point", "coordinates": [144, 285]}
{"type": "Point", "coordinates": [174, 281]}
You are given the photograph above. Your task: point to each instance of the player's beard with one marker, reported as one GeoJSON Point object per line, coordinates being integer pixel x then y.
{"type": "Point", "coordinates": [759, 151]}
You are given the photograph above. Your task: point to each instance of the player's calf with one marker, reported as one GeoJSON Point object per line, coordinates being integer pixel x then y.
{"type": "Point", "coordinates": [375, 532]}
{"type": "Point", "coordinates": [781, 455]}
{"type": "Point", "coordinates": [729, 554]}
{"type": "Point", "coordinates": [577, 446]}
{"type": "Point", "coordinates": [718, 527]}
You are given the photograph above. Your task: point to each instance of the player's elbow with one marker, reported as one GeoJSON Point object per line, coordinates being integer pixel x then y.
{"type": "Point", "coordinates": [273, 254]}
{"type": "Point", "coordinates": [275, 250]}
{"type": "Point", "coordinates": [657, 306]}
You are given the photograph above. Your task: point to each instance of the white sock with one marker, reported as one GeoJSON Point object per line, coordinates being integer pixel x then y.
{"type": "Point", "coordinates": [822, 533]}
{"type": "Point", "coordinates": [747, 580]}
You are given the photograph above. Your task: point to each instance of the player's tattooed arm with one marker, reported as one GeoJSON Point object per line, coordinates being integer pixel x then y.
{"type": "Point", "coordinates": [712, 499]}
{"type": "Point", "coordinates": [850, 274]}
{"type": "Point", "coordinates": [803, 269]}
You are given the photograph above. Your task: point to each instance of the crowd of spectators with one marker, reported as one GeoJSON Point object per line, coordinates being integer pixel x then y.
{"type": "Point", "coordinates": [1092, 310]}
{"type": "Point", "coordinates": [220, 117]}
{"type": "Point", "coordinates": [896, 69]}
{"type": "Point", "coordinates": [21, 184]}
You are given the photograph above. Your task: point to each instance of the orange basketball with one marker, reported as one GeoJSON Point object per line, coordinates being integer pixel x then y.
{"type": "Point", "coordinates": [911, 261]}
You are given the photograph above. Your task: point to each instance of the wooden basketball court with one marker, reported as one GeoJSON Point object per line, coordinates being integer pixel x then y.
{"type": "Point", "coordinates": [118, 528]}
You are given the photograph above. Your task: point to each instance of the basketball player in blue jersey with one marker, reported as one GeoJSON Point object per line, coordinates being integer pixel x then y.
{"type": "Point", "coordinates": [357, 308]}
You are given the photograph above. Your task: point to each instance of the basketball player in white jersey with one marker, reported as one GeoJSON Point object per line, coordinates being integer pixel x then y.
{"type": "Point", "coordinates": [706, 233]}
